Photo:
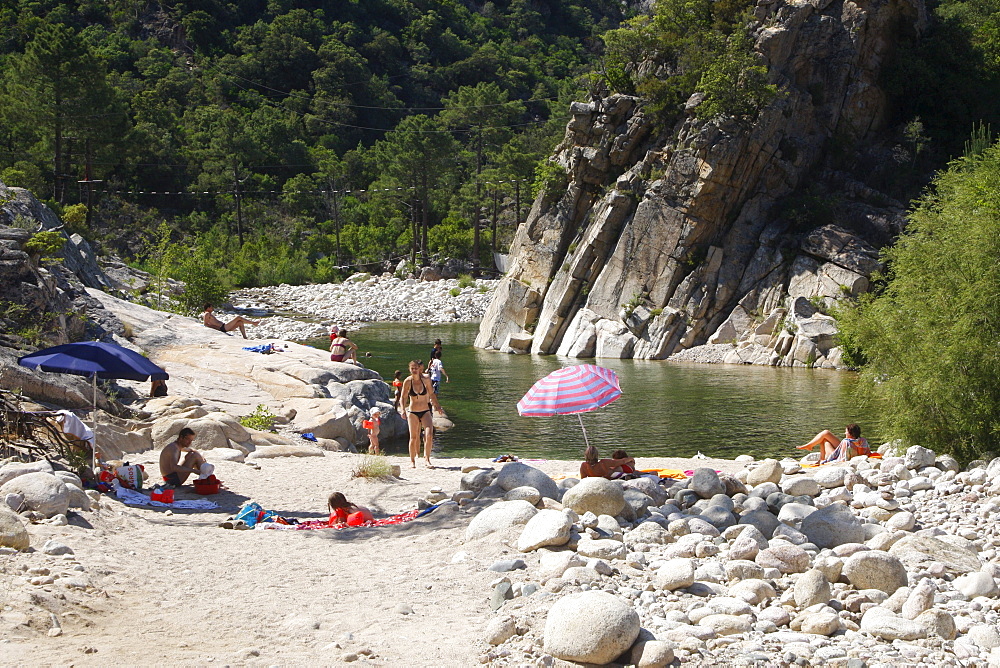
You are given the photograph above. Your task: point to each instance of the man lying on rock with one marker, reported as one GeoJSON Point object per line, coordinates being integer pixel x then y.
{"type": "Point", "coordinates": [208, 317]}
{"type": "Point", "coordinates": [174, 471]}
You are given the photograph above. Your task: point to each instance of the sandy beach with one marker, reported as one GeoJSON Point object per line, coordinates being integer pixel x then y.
{"type": "Point", "coordinates": [171, 587]}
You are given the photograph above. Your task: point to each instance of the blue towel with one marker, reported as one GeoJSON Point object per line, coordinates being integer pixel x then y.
{"type": "Point", "coordinates": [264, 348]}
{"type": "Point", "coordinates": [309, 436]}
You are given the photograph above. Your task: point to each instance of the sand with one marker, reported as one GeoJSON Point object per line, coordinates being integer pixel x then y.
{"type": "Point", "coordinates": [174, 588]}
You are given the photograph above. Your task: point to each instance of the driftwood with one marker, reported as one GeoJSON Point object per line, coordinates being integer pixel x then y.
{"type": "Point", "coordinates": [34, 435]}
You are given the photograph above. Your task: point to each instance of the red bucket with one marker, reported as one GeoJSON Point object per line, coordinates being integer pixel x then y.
{"type": "Point", "coordinates": [207, 486]}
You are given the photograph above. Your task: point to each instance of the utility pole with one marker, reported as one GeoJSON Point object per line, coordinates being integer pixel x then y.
{"type": "Point", "coordinates": [237, 182]}
{"type": "Point", "coordinates": [89, 182]}
{"type": "Point", "coordinates": [517, 202]}
{"type": "Point", "coordinates": [493, 244]}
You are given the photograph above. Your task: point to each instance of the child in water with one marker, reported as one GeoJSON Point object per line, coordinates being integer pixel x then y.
{"type": "Point", "coordinates": [343, 511]}
{"type": "Point", "coordinates": [373, 424]}
{"type": "Point", "coordinates": [397, 387]}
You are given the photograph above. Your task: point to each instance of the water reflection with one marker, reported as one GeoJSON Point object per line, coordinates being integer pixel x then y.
{"type": "Point", "coordinates": [666, 409]}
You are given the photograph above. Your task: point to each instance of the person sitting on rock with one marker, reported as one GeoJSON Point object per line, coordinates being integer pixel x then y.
{"type": "Point", "coordinates": [343, 511]}
{"type": "Point", "coordinates": [833, 449]}
{"type": "Point", "coordinates": [175, 471]}
{"type": "Point", "coordinates": [208, 317]}
{"type": "Point", "coordinates": [342, 349]}
{"type": "Point", "coordinates": [595, 467]}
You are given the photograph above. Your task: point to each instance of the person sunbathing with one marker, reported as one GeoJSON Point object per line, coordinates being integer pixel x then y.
{"type": "Point", "coordinates": [595, 467]}
{"type": "Point", "coordinates": [343, 511]}
{"type": "Point", "coordinates": [208, 317]}
{"type": "Point", "coordinates": [833, 449]}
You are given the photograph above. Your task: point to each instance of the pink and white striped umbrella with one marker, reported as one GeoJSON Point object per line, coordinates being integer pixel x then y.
{"type": "Point", "coordinates": [571, 390]}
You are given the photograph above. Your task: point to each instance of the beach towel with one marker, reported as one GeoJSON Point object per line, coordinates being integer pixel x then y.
{"type": "Point", "coordinates": [399, 518]}
{"type": "Point", "coordinates": [74, 426]}
{"type": "Point", "coordinates": [872, 455]}
{"type": "Point", "coordinates": [264, 349]}
{"type": "Point", "coordinates": [673, 474]}
{"type": "Point", "coordinates": [134, 498]}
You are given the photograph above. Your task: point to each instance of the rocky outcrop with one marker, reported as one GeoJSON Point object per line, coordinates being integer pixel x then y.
{"type": "Point", "coordinates": [659, 244]}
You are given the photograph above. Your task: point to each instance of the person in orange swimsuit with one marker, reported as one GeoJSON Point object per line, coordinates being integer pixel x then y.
{"type": "Point", "coordinates": [421, 401]}
{"type": "Point", "coordinates": [595, 467]}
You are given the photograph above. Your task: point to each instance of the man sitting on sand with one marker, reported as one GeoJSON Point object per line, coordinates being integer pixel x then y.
{"type": "Point", "coordinates": [214, 323]}
{"type": "Point", "coordinates": [174, 471]}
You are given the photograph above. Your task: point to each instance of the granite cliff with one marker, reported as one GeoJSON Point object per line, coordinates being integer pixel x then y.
{"type": "Point", "coordinates": [665, 240]}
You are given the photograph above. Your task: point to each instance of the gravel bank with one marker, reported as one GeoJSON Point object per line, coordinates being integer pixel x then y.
{"type": "Point", "coordinates": [360, 299]}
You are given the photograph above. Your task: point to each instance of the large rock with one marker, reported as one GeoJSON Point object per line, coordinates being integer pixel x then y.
{"type": "Point", "coordinates": [675, 574]}
{"type": "Point", "coordinates": [547, 527]}
{"type": "Point", "coordinates": [499, 516]}
{"type": "Point", "coordinates": [882, 623]}
{"type": "Point", "coordinates": [516, 474]}
{"type": "Point", "coordinates": [12, 531]}
{"type": "Point", "coordinates": [42, 492]}
{"type": "Point", "coordinates": [324, 418]}
{"type": "Point", "coordinates": [597, 495]}
{"type": "Point", "coordinates": [590, 627]}
{"type": "Point", "coordinates": [273, 451]}
{"type": "Point", "coordinates": [786, 558]}
{"type": "Point", "coordinates": [768, 470]}
{"type": "Point", "coordinates": [829, 477]}
{"type": "Point", "coordinates": [811, 588]}
{"type": "Point", "coordinates": [873, 569]}
{"type": "Point", "coordinates": [917, 457]}
{"type": "Point", "coordinates": [705, 483]}
{"type": "Point", "coordinates": [14, 469]}
{"type": "Point", "coordinates": [833, 526]}
{"type": "Point", "coordinates": [917, 552]}
{"type": "Point", "coordinates": [604, 548]}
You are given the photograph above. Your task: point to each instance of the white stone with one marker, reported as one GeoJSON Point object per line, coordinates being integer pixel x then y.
{"type": "Point", "coordinates": [590, 627]}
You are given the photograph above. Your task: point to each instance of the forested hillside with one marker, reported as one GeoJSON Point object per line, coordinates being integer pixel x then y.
{"type": "Point", "coordinates": [294, 140]}
{"type": "Point", "coordinates": [285, 139]}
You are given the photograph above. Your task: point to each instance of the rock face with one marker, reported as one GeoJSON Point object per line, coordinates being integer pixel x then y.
{"type": "Point", "coordinates": [659, 243]}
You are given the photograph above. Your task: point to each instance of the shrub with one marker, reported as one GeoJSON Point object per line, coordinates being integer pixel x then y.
{"type": "Point", "coordinates": [454, 292]}
{"type": "Point", "coordinates": [373, 467]}
{"type": "Point", "coordinates": [45, 244]}
{"type": "Point", "coordinates": [929, 337]}
{"type": "Point", "coordinates": [465, 280]}
{"type": "Point", "coordinates": [261, 419]}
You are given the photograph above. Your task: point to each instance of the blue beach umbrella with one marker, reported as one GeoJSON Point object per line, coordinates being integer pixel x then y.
{"type": "Point", "coordinates": [94, 360]}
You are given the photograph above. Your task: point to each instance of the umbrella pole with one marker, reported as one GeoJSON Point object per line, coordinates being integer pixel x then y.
{"type": "Point", "coordinates": [93, 422]}
{"type": "Point", "coordinates": [585, 439]}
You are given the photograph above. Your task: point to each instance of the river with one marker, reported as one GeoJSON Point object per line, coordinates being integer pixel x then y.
{"type": "Point", "coordinates": [667, 409]}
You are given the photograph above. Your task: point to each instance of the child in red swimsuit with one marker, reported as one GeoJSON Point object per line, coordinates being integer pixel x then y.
{"type": "Point", "coordinates": [343, 511]}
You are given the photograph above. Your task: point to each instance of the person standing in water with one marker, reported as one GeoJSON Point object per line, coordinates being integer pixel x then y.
{"type": "Point", "coordinates": [420, 404]}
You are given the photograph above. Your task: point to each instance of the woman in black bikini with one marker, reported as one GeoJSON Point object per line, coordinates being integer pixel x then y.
{"type": "Point", "coordinates": [416, 391]}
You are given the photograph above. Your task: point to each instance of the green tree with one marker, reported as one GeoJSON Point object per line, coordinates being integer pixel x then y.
{"type": "Point", "coordinates": [485, 115]}
{"type": "Point", "coordinates": [58, 89]}
{"type": "Point", "coordinates": [418, 155]}
{"type": "Point", "coordinates": [930, 340]}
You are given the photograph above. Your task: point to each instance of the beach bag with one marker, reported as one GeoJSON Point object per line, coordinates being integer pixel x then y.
{"type": "Point", "coordinates": [130, 475]}
{"type": "Point", "coordinates": [250, 513]}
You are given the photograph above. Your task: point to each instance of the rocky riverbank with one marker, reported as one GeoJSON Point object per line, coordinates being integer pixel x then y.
{"type": "Point", "coordinates": [873, 563]}
{"type": "Point", "coordinates": [361, 299]}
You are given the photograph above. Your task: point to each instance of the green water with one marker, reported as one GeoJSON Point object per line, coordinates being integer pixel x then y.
{"type": "Point", "coordinates": [667, 409]}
